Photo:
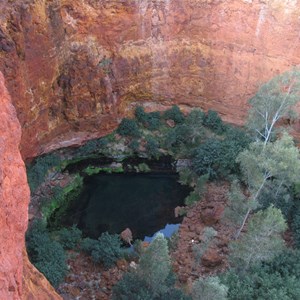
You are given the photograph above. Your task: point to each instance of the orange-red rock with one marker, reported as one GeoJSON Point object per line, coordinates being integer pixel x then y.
{"type": "Point", "coordinates": [75, 67]}
{"type": "Point", "coordinates": [14, 198]}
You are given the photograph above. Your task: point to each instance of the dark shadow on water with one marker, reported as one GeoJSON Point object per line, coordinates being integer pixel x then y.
{"type": "Point", "coordinates": [113, 202]}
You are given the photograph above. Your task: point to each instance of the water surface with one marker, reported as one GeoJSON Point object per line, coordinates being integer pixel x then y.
{"type": "Point", "coordinates": [113, 202]}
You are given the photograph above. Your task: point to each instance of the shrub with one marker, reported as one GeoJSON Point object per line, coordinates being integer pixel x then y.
{"type": "Point", "coordinates": [148, 120]}
{"type": "Point", "coordinates": [128, 127]}
{"type": "Point", "coordinates": [209, 288]}
{"type": "Point", "coordinates": [92, 147]}
{"type": "Point", "coordinates": [218, 157]}
{"type": "Point", "coordinates": [69, 238]}
{"type": "Point", "coordinates": [134, 145]}
{"type": "Point", "coordinates": [152, 147]}
{"type": "Point", "coordinates": [37, 170]}
{"type": "Point", "coordinates": [174, 114]}
{"type": "Point", "coordinates": [295, 225]}
{"type": "Point", "coordinates": [278, 279]}
{"type": "Point", "coordinates": [107, 249]}
{"type": "Point", "coordinates": [153, 279]}
{"type": "Point", "coordinates": [47, 255]}
{"type": "Point", "coordinates": [214, 122]}
{"type": "Point", "coordinates": [277, 194]}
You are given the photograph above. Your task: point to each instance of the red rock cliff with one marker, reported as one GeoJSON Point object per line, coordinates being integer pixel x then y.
{"type": "Point", "coordinates": [74, 67]}
{"type": "Point", "coordinates": [14, 197]}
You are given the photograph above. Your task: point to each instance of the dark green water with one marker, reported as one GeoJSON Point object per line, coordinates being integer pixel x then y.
{"type": "Point", "coordinates": [142, 202]}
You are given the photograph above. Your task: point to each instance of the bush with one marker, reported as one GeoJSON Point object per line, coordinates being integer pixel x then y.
{"type": "Point", "coordinates": [37, 170]}
{"type": "Point", "coordinates": [278, 279]}
{"type": "Point", "coordinates": [295, 225]}
{"type": "Point", "coordinates": [92, 147]}
{"type": "Point", "coordinates": [277, 194]}
{"type": "Point", "coordinates": [134, 145]}
{"type": "Point", "coordinates": [174, 114]}
{"type": "Point", "coordinates": [148, 120]}
{"type": "Point", "coordinates": [152, 147]}
{"type": "Point", "coordinates": [153, 279]}
{"type": "Point", "coordinates": [107, 249]}
{"type": "Point", "coordinates": [209, 288]}
{"type": "Point", "coordinates": [218, 157]}
{"type": "Point", "coordinates": [214, 122]}
{"type": "Point", "coordinates": [69, 238]}
{"type": "Point", "coordinates": [128, 127]}
{"type": "Point", "coordinates": [47, 255]}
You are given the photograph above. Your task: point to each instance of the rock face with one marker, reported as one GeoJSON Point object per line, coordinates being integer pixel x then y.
{"type": "Point", "coordinates": [75, 67]}
{"type": "Point", "coordinates": [14, 196]}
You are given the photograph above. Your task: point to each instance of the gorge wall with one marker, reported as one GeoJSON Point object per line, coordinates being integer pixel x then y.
{"type": "Point", "coordinates": [74, 68]}
{"type": "Point", "coordinates": [18, 278]}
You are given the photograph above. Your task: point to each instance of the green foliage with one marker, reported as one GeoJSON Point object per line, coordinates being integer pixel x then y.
{"type": "Point", "coordinates": [192, 198]}
{"type": "Point", "coordinates": [134, 145]}
{"type": "Point", "coordinates": [143, 167]}
{"type": "Point", "coordinates": [217, 157]}
{"type": "Point", "coordinates": [152, 147]}
{"type": "Point", "coordinates": [107, 249]}
{"type": "Point", "coordinates": [152, 280]}
{"type": "Point", "coordinates": [186, 135]}
{"type": "Point", "coordinates": [261, 242]}
{"type": "Point", "coordinates": [276, 193]}
{"type": "Point", "coordinates": [69, 238]}
{"type": "Point", "coordinates": [278, 279]}
{"type": "Point", "coordinates": [60, 199]}
{"type": "Point", "coordinates": [47, 255]}
{"type": "Point", "coordinates": [150, 120]}
{"type": "Point", "coordinates": [187, 177]}
{"type": "Point", "coordinates": [209, 288]}
{"type": "Point", "coordinates": [37, 170]}
{"type": "Point", "coordinates": [91, 170]}
{"type": "Point", "coordinates": [295, 225]}
{"type": "Point", "coordinates": [155, 264]}
{"type": "Point", "coordinates": [238, 204]}
{"type": "Point", "coordinates": [198, 191]}
{"type": "Point", "coordinates": [272, 102]}
{"type": "Point", "coordinates": [128, 127]}
{"type": "Point", "coordinates": [175, 114]}
{"type": "Point", "coordinates": [92, 147]}
{"type": "Point", "coordinates": [214, 122]}
{"type": "Point", "coordinates": [279, 160]}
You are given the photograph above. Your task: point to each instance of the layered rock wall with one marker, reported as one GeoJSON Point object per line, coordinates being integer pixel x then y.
{"type": "Point", "coordinates": [14, 198]}
{"type": "Point", "coordinates": [74, 67]}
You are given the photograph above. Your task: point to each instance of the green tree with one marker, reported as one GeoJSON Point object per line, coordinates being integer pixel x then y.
{"type": "Point", "coordinates": [175, 114]}
{"type": "Point", "coordinates": [47, 255]}
{"type": "Point", "coordinates": [107, 249]}
{"type": "Point", "coordinates": [279, 160]}
{"type": "Point", "coordinates": [152, 279]}
{"type": "Point", "coordinates": [209, 288]}
{"type": "Point", "coordinates": [128, 127]}
{"type": "Point", "coordinates": [261, 242]}
{"type": "Point", "coordinates": [274, 280]}
{"type": "Point", "coordinates": [155, 264]}
{"type": "Point", "coordinates": [272, 102]}
{"type": "Point", "coordinates": [213, 121]}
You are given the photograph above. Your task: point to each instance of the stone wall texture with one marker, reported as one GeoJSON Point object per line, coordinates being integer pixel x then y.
{"type": "Point", "coordinates": [74, 68]}
{"type": "Point", "coordinates": [14, 198]}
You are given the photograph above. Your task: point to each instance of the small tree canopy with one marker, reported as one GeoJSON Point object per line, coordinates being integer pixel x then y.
{"type": "Point", "coordinates": [261, 242]}
{"type": "Point", "coordinates": [272, 102]}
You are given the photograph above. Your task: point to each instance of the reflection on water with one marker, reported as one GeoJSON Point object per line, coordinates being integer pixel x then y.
{"type": "Point", "coordinates": [167, 232]}
{"type": "Point", "coordinates": [113, 202]}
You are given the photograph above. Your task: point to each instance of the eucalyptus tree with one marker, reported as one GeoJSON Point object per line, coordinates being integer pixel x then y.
{"type": "Point", "coordinates": [279, 160]}
{"type": "Point", "coordinates": [272, 102]}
